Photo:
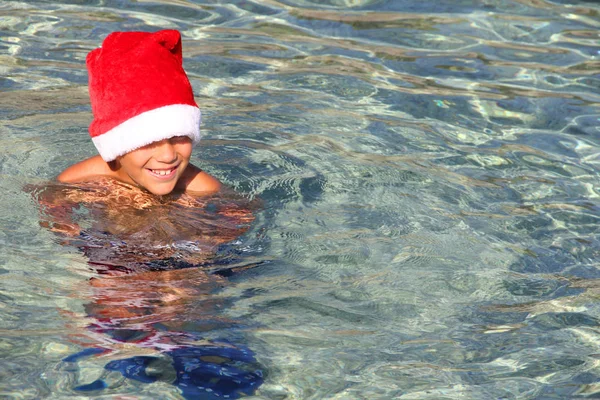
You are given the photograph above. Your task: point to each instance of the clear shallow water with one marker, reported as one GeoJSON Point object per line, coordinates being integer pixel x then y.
{"type": "Point", "coordinates": [429, 177]}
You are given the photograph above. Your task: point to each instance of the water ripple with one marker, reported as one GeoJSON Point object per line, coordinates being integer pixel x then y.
{"type": "Point", "coordinates": [429, 176]}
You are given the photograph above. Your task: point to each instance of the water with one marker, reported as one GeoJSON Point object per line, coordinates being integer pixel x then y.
{"type": "Point", "coordinates": [428, 173]}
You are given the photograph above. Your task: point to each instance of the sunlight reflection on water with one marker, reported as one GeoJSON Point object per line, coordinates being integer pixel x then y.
{"type": "Point", "coordinates": [429, 179]}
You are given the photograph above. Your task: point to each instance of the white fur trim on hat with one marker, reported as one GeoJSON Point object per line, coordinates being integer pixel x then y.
{"type": "Point", "coordinates": [149, 127]}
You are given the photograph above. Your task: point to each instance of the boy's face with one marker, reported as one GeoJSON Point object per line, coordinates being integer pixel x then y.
{"type": "Point", "coordinates": [158, 166]}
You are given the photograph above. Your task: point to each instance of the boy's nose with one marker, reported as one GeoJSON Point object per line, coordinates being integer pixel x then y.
{"type": "Point", "coordinates": [165, 151]}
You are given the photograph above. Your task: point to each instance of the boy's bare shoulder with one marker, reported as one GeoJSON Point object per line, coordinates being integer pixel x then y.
{"type": "Point", "coordinates": [93, 166]}
{"type": "Point", "coordinates": [193, 178]}
{"type": "Point", "coordinates": [196, 180]}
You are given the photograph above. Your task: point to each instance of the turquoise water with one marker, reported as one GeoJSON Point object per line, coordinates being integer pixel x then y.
{"type": "Point", "coordinates": [430, 188]}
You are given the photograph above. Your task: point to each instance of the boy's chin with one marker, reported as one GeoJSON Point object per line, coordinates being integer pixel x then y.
{"type": "Point", "coordinates": [160, 189]}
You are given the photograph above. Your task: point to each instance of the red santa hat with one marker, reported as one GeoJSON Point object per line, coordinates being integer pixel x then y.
{"type": "Point", "coordinates": [139, 92]}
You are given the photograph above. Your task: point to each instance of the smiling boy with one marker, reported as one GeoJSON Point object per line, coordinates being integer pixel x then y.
{"type": "Point", "coordinates": [146, 120]}
{"type": "Point", "coordinates": [160, 168]}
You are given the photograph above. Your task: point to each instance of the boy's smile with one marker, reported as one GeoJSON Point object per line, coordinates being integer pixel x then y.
{"type": "Point", "coordinates": [163, 173]}
{"type": "Point", "coordinates": [158, 166]}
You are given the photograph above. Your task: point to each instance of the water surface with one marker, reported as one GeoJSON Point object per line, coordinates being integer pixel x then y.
{"type": "Point", "coordinates": [428, 173]}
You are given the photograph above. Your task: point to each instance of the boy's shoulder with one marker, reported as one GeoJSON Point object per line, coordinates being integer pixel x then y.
{"type": "Point", "coordinates": [196, 180]}
{"type": "Point", "coordinates": [86, 169]}
{"type": "Point", "coordinates": [193, 179]}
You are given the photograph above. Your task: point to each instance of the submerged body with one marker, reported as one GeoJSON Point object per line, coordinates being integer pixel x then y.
{"type": "Point", "coordinates": [117, 224]}
{"type": "Point", "coordinates": [135, 242]}
{"type": "Point", "coordinates": [153, 288]}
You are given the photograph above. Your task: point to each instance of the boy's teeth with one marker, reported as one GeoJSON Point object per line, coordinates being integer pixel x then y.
{"type": "Point", "coordinates": [161, 172]}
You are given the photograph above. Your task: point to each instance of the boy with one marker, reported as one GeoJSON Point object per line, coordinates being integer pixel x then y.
{"type": "Point", "coordinates": [145, 118]}
{"type": "Point", "coordinates": [148, 249]}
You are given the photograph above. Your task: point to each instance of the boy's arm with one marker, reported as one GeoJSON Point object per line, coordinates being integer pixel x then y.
{"type": "Point", "coordinates": [56, 211]}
